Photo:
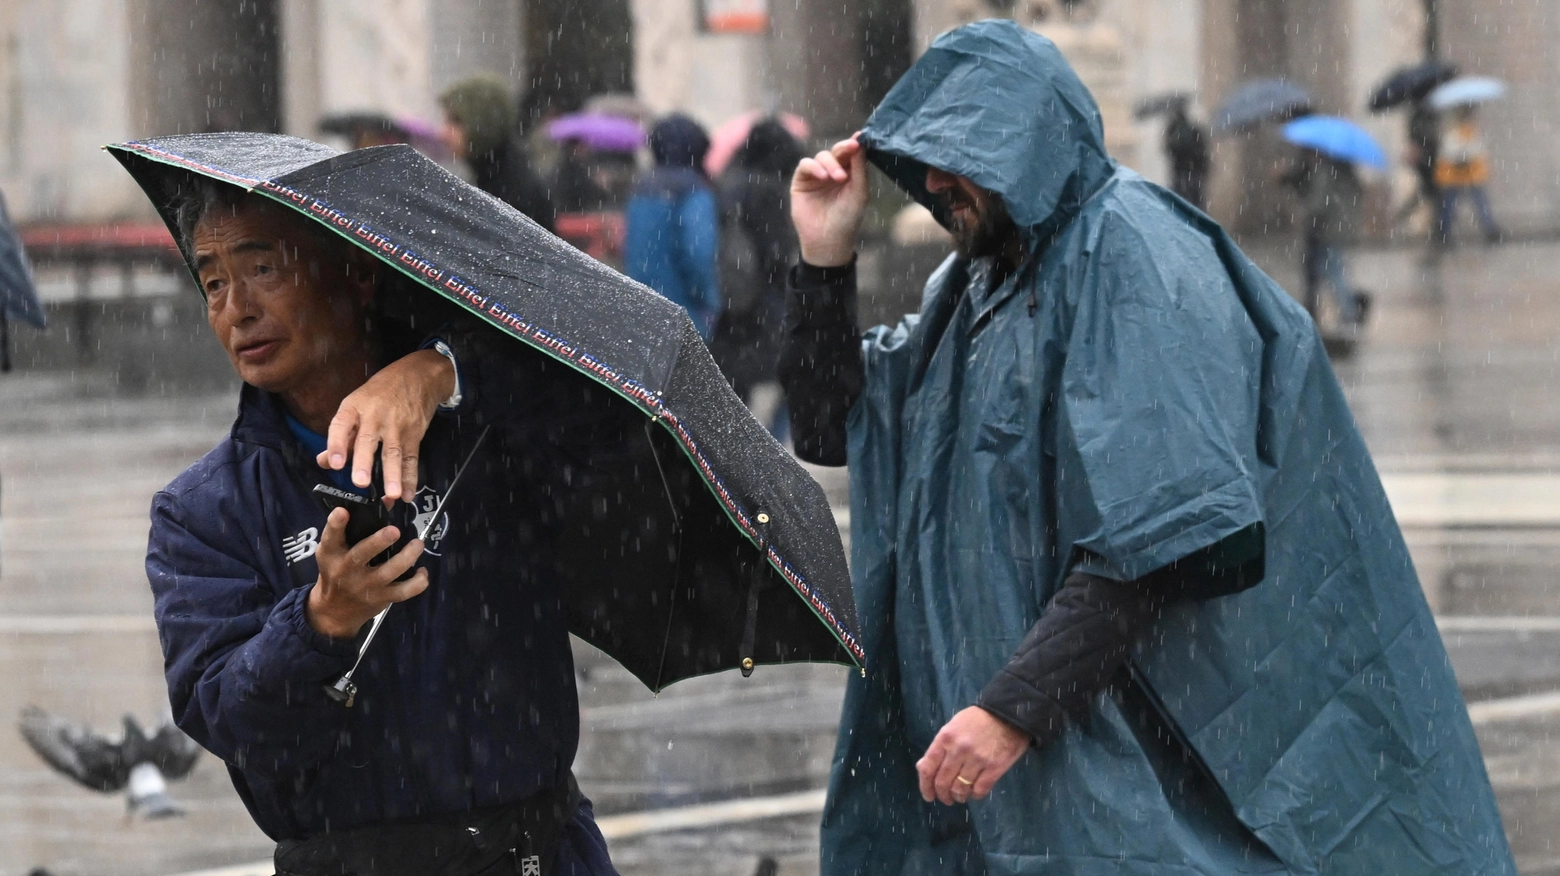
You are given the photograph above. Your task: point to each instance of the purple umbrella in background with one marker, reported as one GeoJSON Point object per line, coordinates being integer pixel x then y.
{"type": "Point", "coordinates": [599, 131]}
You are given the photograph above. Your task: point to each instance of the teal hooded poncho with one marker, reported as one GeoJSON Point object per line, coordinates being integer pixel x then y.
{"type": "Point", "coordinates": [1138, 394]}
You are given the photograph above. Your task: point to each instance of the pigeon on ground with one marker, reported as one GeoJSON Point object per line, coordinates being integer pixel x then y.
{"type": "Point", "coordinates": [135, 763]}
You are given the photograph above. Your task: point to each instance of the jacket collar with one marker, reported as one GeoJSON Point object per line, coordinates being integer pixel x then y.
{"type": "Point", "coordinates": [262, 422]}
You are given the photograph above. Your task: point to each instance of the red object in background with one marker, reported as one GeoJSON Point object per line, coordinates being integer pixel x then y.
{"type": "Point", "coordinates": [126, 239]}
{"type": "Point", "coordinates": [598, 235]}
{"type": "Point", "coordinates": [735, 16]}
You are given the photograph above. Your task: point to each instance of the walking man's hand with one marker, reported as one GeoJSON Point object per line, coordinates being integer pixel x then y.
{"type": "Point", "coordinates": [971, 751]}
{"type": "Point", "coordinates": [828, 202]}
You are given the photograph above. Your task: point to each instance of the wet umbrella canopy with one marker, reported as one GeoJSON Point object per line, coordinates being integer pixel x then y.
{"type": "Point", "coordinates": [600, 131]}
{"type": "Point", "coordinates": [1336, 138]}
{"type": "Point", "coordinates": [711, 549]}
{"type": "Point", "coordinates": [1412, 83]}
{"type": "Point", "coordinates": [1258, 101]}
{"type": "Point", "coordinates": [1467, 91]}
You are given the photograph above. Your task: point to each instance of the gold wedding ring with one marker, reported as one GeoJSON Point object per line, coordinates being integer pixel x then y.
{"type": "Point", "coordinates": [963, 779]}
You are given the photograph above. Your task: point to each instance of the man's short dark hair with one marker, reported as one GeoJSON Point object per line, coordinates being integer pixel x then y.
{"type": "Point", "coordinates": [195, 200]}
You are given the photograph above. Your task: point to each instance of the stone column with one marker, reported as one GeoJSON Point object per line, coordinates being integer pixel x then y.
{"type": "Point", "coordinates": [65, 90]}
{"type": "Point", "coordinates": [470, 37]}
{"type": "Point", "coordinates": [1093, 45]}
{"type": "Point", "coordinates": [815, 63]}
{"type": "Point", "coordinates": [302, 83]}
{"type": "Point", "coordinates": [1306, 41]}
{"type": "Point", "coordinates": [202, 65]}
{"type": "Point", "coordinates": [378, 56]}
{"type": "Point", "coordinates": [1518, 41]}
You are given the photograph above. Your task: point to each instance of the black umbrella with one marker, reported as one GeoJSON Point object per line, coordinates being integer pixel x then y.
{"type": "Point", "coordinates": [1159, 104]}
{"type": "Point", "coordinates": [1411, 83]}
{"type": "Point", "coordinates": [711, 548]}
{"type": "Point", "coordinates": [1258, 101]}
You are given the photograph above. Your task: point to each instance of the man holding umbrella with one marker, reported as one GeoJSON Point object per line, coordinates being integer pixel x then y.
{"type": "Point", "coordinates": [591, 473]}
{"type": "Point", "coordinates": [1130, 590]}
{"type": "Point", "coordinates": [259, 607]}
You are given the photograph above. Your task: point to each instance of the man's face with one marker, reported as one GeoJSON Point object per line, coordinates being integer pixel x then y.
{"type": "Point", "coordinates": [283, 304]}
{"type": "Point", "coordinates": [980, 222]}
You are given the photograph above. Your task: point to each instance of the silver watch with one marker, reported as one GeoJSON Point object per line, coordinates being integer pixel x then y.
{"type": "Point", "coordinates": [444, 350]}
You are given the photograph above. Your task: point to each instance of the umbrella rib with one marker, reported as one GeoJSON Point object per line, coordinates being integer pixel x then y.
{"type": "Point", "coordinates": [671, 503]}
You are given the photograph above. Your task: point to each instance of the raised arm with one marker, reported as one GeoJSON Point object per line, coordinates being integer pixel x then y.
{"type": "Point", "coordinates": [820, 353]}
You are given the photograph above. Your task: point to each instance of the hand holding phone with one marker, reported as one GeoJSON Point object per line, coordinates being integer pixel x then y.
{"type": "Point", "coordinates": [366, 515]}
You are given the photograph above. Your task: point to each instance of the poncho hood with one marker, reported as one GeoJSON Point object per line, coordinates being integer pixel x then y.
{"type": "Point", "coordinates": [999, 105]}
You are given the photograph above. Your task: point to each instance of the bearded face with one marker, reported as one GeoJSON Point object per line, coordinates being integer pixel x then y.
{"type": "Point", "coordinates": [978, 219]}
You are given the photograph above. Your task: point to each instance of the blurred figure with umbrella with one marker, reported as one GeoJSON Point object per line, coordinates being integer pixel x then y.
{"type": "Point", "coordinates": [1323, 176]}
{"type": "Point", "coordinates": [18, 297]}
{"type": "Point", "coordinates": [757, 246]}
{"type": "Point", "coordinates": [595, 149]}
{"type": "Point", "coordinates": [1185, 144]}
{"type": "Point", "coordinates": [479, 129]}
{"type": "Point", "coordinates": [671, 225]}
{"type": "Point", "coordinates": [574, 187]}
{"type": "Point", "coordinates": [732, 136]}
{"type": "Point", "coordinates": [1463, 165]}
{"type": "Point", "coordinates": [1411, 86]}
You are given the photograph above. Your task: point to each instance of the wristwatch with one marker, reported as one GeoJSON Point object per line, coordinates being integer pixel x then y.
{"type": "Point", "coordinates": [444, 350]}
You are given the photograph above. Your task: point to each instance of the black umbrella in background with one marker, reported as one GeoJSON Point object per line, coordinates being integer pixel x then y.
{"type": "Point", "coordinates": [1408, 84]}
{"type": "Point", "coordinates": [1260, 101]}
{"type": "Point", "coordinates": [1159, 104]}
{"type": "Point", "coordinates": [18, 296]}
{"type": "Point", "coordinates": [712, 549]}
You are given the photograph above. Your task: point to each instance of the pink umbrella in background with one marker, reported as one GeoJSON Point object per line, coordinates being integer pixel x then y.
{"type": "Point", "coordinates": [728, 138]}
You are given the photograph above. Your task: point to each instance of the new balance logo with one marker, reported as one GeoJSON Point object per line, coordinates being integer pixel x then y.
{"type": "Point", "coordinates": [531, 865]}
{"type": "Point", "coordinates": [301, 546]}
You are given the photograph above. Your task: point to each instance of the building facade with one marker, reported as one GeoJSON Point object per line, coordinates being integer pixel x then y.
{"type": "Point", "coordinates": [75, 74]}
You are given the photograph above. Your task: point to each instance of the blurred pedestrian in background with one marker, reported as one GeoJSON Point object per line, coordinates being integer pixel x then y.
{"type": "Point", "coordinates": [479, 128]}
{"type": "Point", "coordinates": [672, 224]}
{"type": "Point", "coordinates": [757, 246]}
{"type": "Point", "coordinates": [1186, 145]}
{"type": "Point", "coordinates": [1463, 166]}
{"type": "Point", "coordinates": [1330, 197]}
{"type": "Point", "coordinates": [574, 186]}
{"type": "Point", "coordinates": [1424, 145]}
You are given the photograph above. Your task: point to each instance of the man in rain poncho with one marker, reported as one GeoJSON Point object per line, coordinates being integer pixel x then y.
{"type": "Point", "coordinates": [1132, 596]}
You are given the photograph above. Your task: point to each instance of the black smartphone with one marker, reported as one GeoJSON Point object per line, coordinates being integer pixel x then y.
{"type": "Point", "coordinates": [366, 515]}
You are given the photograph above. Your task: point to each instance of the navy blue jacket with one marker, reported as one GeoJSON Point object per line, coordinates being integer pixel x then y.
{"type": "Point", "coordinates": [466, 698]}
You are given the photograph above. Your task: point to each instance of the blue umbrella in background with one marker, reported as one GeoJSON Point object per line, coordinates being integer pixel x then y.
{"type": "Point", "coordinates": [1258, 101]}
{"type": "Point", "coordinates": [1337, 138]}
{"type": "Point", "coordinates": [18, 297]}
{"type": "Point", "coordinates": [1466, 91]}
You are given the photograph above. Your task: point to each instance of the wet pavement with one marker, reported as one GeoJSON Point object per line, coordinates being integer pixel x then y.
{"type": "Point", "coordinates": [1456, 384]}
